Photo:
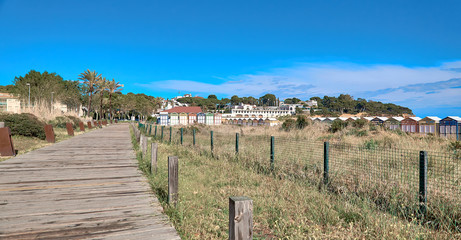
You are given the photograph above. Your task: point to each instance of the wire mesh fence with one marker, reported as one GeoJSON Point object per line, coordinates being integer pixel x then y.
{"type": "Point", "coordinates": [389, 175]}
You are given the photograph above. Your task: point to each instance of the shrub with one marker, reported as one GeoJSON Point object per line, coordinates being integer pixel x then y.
{"type": "Point", "coordinates": [24, 124]}
{"type": "Point", "coordinates": [358, 133]}
{"type": "Point", "coordinates": [371, 144]}
{"type": "Point", "coordinates": [152, 119]}
{"type": "Point", "coordinates": [288, 124]}
{"type": "Point", "coordinates": [359, 123]}
{"type": "Point", "coordinates": [75, 121]}
{"type": "Point", "coordinates": [302, 122]}
{"type": "Point", "coordinates": [337, 125]}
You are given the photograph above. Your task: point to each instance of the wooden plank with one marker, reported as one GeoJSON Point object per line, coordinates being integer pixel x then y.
{"type": "Point", "coordinates": [86, 187]}
{"type": "Point", "coordinates": [153, 159]}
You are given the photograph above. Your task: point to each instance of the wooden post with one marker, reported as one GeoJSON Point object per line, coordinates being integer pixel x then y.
{"type": "Point", "coordinates": [326, 156]}
{"type": "Point", "coordinates": [236, 143]}
{"type": "Point", "coordinates": [89, 125]}
{"type": "Point", "coordinates": [211, 142]}
{"type": "Point", "coordinates": [6, 143]}
{"type": "Point", "coordinates": [240, 218]}
{"type": "Point", "coordinates": [70, 129]}
{"type": "Point", "coordinates": [143, 145]}
{"type": "Point", "coordinates": [49, 133]}
{"type": "Point", "coordinates": [153, 159]}
{"type": "Point", "coordinates": [272, 152]}
{"type": "Point", "coordinates": [82, 127]}
{"type": "Point", "coordinates": [172, 180]}
{"type": "Point", "coordinates": [193, 136]}
{"type": "Point", "coordinates": [422, 182]}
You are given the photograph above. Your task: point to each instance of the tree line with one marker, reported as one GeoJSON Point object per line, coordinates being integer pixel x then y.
{"type": "Point", "coordinates": [98, 96]}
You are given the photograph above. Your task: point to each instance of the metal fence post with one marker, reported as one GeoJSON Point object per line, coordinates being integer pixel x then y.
{"type": "Point", "coordinates": [155, 131]}
{"type": "Point", "coordinates": [236, 143]}
{"type": "Point", "coordinates": [211, 141]}
{"type": "Point", "coordinates": [182, 131]}
{"type": "Point", "coordinates": [150, 129]}
{"type": "Point", "coordinates": [171, 130]}
{"type": "Point", "coordinates": [326, 156]}
{"type": "Point", "coordinates": [161, 138]}
{"type": "Point", "coordinates": [193, 136]}
{"type": "Point", "coordinates": [422, 182]}
{"type": "Point", "coordinates": [272, 152]}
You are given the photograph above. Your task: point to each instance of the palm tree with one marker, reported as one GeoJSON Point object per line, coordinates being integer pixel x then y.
{"type": "Point", "coordinates": [112, 88]}
{"type": "Point", "coordinates": [101, 86]}
{"type": "Point", "coordinates": [90, 79]}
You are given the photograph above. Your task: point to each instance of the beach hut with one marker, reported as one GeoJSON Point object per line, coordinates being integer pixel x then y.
{"type": "Point", "coordinates": [201, 118]}
{"type": "Point", "coordinates": [343, 119]}
{"type": "Point", "coordinates": [209, 119]}
{"type": "Point", "coordinates": [410, 124]}
{"type": "Point", "coordinates": [192, 118]}
{"type": "Point", "coordinates": [429, 124]}
{"type": "Point", "coordinates": [393, 123]}
{"type": "Point", "coordinates": [368, 118]}
{"type": "Point", "coordinates": [273, 122]}
{"type": "Point", "coordinates": [379, 121]}
{"type": "Point", "coordinates": [450, 127]}
{"type": "Point", "coordinates": [183, 119]}
{"type": "Point", "coordinates": [174, 119]}
{"type": "Point", "coordinates": [329, 120]}
{"type": "Point", "coordinates": [163, 118]}
{"type": "Point", "coordinates": [241, 121]}
{"type": "Point", "coordinates": [255, 122]}
{"type": "Point", "coordinates": [217, 119]}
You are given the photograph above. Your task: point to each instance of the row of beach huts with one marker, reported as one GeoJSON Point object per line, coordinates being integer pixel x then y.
{"type": "Point", "coordinates": [450, 125]}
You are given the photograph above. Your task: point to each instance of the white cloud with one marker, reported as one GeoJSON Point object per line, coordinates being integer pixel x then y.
{"type": "Point", "coordinates": [388, 83]}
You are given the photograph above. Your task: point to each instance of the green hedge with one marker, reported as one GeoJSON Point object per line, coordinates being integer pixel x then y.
{"type": "Point", "coordinates": [24, 124]}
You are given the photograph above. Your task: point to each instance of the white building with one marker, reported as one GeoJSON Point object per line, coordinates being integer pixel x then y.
{"type": "Point", "coordinates": [9, 103]}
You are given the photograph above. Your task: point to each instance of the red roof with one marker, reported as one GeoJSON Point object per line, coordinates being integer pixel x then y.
{"type": "Point", "coordinates": [184, 110]}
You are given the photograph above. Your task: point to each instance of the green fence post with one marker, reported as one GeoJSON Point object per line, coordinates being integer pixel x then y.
{"type": "Point", "coordinates": [182, 130]}
{"type": "Point", "coordinates": [211, 138]}
{"type": "Point", "coordinates": [171, 130]}
{"type": "Point", "coordinates": [150, 129]}
{"type": "Point", "coordinates": [326, 155]}
{"type": "Point", "coordinates": [193, 136]}
{"type": "Point", "coordinates": [236, 143]}
{"type": "Point", "coordinates": [272, 152]}
{"type": "Point", "coordinates": [155, 131]}
{"type": "Point", "coordinates": [422, 182]}
{"type": "Point", "coordinates": [161, 138]}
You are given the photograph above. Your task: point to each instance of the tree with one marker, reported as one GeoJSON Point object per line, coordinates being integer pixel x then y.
{"type": "Point", "coordinates": [90, 79]}
{"type": "Point", "coordinates": [212, 97]}
{"type": "Point", "coordinates": [101, 86]}
{"type": "Point", "coordinates": [235, 100]}
{"type": "Point", "coordinates": [113, 87]}
{"type": "Point", "coordinates": [268, 100]}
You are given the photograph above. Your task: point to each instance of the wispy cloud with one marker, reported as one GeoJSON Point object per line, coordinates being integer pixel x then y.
{"type": "Point", "coordinates": [410, 86]}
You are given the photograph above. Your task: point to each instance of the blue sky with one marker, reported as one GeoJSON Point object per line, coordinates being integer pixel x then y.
{"type": "Point", "coordinates": [405, 52]}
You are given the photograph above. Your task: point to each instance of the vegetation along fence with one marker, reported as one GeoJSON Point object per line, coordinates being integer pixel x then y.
{"type": "Point", "coordinates": [409, 183]}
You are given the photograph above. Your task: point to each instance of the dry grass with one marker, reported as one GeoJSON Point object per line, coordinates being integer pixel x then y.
{"type": "Point", "coordinates": [283, 208]}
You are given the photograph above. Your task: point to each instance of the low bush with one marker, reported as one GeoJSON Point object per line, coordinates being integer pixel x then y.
{"type": "Point", "coordinates": [359, 123]}
{"type": "Point", "coordinates": [24, 124]}
{"type": "Point", "coordinates": [288, 124]}
{"type": "Point", "coordinates": [302, 122]}
{"type": "Point", "coordinates": [337, 125]}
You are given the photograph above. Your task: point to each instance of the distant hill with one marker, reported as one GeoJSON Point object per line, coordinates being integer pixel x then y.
{"type": "Point", "coordinates": [346, 104]}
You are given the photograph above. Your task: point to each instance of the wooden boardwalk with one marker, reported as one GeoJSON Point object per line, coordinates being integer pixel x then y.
{"type": "Point", "coordinates": [87, 187]}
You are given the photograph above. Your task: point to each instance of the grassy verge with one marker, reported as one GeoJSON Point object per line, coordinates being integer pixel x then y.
{"type": "Point", "coordinates": [283, 209]}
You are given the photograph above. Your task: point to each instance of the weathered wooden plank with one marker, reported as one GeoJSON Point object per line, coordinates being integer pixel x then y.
{"type": "Point", "coordinates": [172, 180]}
